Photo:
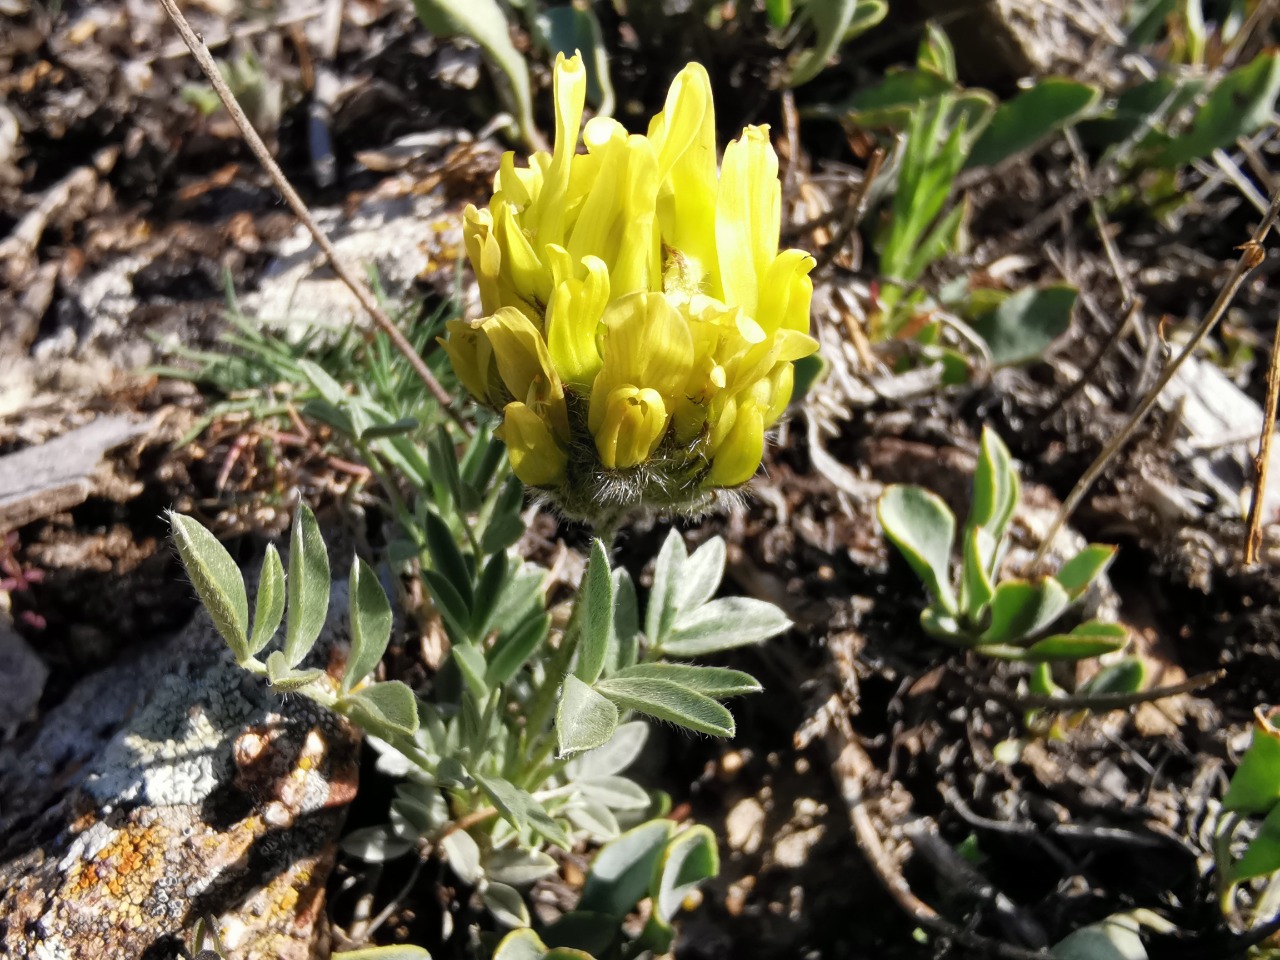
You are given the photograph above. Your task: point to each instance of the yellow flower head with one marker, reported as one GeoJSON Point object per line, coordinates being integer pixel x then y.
{"type": "Point", "coordinates": [640, 322]}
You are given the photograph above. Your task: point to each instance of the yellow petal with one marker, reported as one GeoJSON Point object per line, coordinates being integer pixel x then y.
{"type": "Point", "coordinates": [646, 344]}
{"type": "Point", "coordinates": [573, 318]}
{"type": "Point", "coordinates": [775, 398]}
{"type": "Point", "coordinates": [525, 366]}
{"type": "Point", "coordinates": [684, 134]}
{"type": "Point", "coordinates": [525, 270]}
{"type": "Point", "coordinates": [748, 216]}
{"type": "Point", "coordinates": [471, 355]}
{"type": "Point", "coordinates": [546, 218]}
{"type": "Point", "coordinates": [738, 456]}
{"type": "Point", "coordinates": [786, 293]}
{"type": "Point", "coordinates": [536, 456]}
{"type": "Point", "coordinates": [633, 423]}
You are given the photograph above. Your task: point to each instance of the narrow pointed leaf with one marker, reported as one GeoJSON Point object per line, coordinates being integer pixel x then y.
{"type": "Point", "coordinates": [723, 625]}
{"type": "Point", "coordinates": [217, 581]}
{"type": "Point", "coordinates": [1127, 676]}
{"type": "Point", "coordinates": [307, 587]}
{"type": "Point", "coordinates": [370, 615]}
{"type": "Point", "coordinates": [714, 682]}
{"type": "Point", "coordinates": [1091, 639]}
{"type": "Point", "coordinates": [669, 701]}
{"type": "Point", "coordinates": [1086, 566]}
{"type": "Point", "coordinates": [702, 575]}
{"type": "Point", "coordinates": [668, 571]}
{"type": "Point", "coordinates": [268, 610]}
{"type": "Point", "coordinates": [595, 616]}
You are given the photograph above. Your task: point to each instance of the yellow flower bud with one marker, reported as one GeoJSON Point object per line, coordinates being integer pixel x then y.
{"type": "Point", "coordinates": [632, 423]}
{"type": "Point", "coordinates": [536, 456]}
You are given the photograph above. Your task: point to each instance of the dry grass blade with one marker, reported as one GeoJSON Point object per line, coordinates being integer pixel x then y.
{"type": "Point", "coordinates": [360, 289]}
{"type": "Point", "coordinates": [1251, 255]}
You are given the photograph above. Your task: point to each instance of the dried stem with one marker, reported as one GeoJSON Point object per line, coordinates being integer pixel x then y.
{"type": "Point", "coordinates": [1251, 255]}
{"type": "Point", "coordinates": [360, 289]}
{"type": "Point", "coordinates": [1105, 701]}
{"type": "Point", "coordinates": [1262, 462]}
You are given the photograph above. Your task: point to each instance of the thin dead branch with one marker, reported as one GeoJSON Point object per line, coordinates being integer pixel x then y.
{"type": "Point", "coordinates": [1252, 253]}
{"type": "Point", "coordinates": [357, 287]}
{"type": "Point", "coordinates": [1262, 462]}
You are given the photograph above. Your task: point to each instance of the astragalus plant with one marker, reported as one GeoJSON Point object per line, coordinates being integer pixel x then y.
{"type": "Point", "coordinates": [637, 341]}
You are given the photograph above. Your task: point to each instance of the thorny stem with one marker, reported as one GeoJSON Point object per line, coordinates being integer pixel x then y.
{"type": "Point", "coordinates": [1252, 254]}
{"type": "Point", "coordinates": [195, 43]}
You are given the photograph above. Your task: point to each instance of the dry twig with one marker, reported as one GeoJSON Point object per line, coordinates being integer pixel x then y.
{"type": "Point", "coordinates": [360, 289]}
{"type": "Point", "coordinates": [1252, 254]}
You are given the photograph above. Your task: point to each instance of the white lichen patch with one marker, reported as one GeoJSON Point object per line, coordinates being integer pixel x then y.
{"type": "Point", "coordinates": [177, 751]}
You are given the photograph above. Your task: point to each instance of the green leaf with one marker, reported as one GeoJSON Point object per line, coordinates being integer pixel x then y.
{"type": "Point", "coordinates": [1086, 566]}
{"type": "Point", "coordinates": [830, 19]}
{"type": "Point", "coordinates": [616, 793]}
{"type": "Point", "coordinates": [505, 904]}
{"type": "Point", "coordinates": [1126, 676]}
{"type": "Point", "coordinates": [1239, 106]}
{"type": "Point", "coordinates": [307, 587]}
{"type": "Point", "coordinates": [520, 809]}
{"type": "Point", "coordinates": [1020, 609]}
{"type": "Point", "coordinates": [936, 54]}
{"type": "Point", "coordinates": [584, 719]}
{"type": "Point", "coordinates": [492, 585]}
{"type": "Point", "coordinates": [485, 23]}
{"type": "Point", "coordinates": [471, 664]}
{"type": "Point", "coordinates": [890, 102]}
{"type": "Point", "coordinates": [519, 868]}
{"type": "Point", "coordinates": [398, 952]}
{"type": "Point", "coordinates": [624, 643]}
{"type": "Point", "coordinates": [1023, 326]}
{"type": "Point", "coordinates": [976, 590]}
{"type": "Point", "coordinates": [1031, 117]}
{"type": "Point", "coordinates": [723, 625]}
{"type": "Point", "coordinates": [702, 574]}
{"type": "Point", "coordinates": [595, 615]}
{"type": "Point", "coordinates": [779, 12]}
{"type": "Point", "coordinates": [396, 428]}
{"type": "Point", "coordinates": [1255, 786]}
{"type": "Point", "coordinates": [1115, 938]}
{"type": "Point", "coordinates": [324, 384]}
{"type": "Point", "coordinates": [513, 650]}
{"type": "Point", "coordinates": [714, 682]}
{"type": "Point", "coordinates": [370, 615]}
{"type": "Point", "coordinates": [623, 869]}
{"type": "Point", "coordinates": [446, 481]}
{"type": "Point", "coordinates": [1091, 639]}
{"type": "Point", "coordinates": [284, 678]}
{"type": "Point", "coordinates": [572, 29]}
{"type": "Point", "coordinates": [521, 944]}
{"type": "Point", "coordinates": [463, 853]}
{"type": "Point", "coordinates": [453, 609]}
{"type": "Point", "coordinates": [375, 844]}
{"type": "Point", "coordinates": [268, 611]}
{"type": "Point", "coordinates": [996, 492]}
{"type": "Point", "coordinates": [613, 757]}
{"type": "Point", "coordinates": [669, 701]}
{"type": "Point", "coordinates": [922, 527]}
{"type": "Point", "coordinates": [505, 526]}
{"type": "Point", "coordinates": [217, 581]}
{"type": "Point", "coordinates": [689, 859]}
{"type": "Point", "coordinates": [1262, 857]}
{"type": "Point", "coordinates": [389, 706]}
{"type": "Point", "coordinates": [446, 558]}
{"type": "Point", "coordinates": [668, 572]}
